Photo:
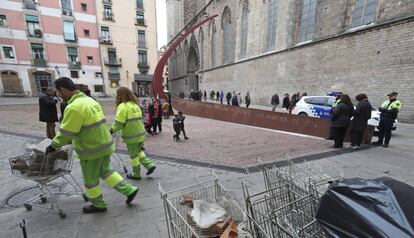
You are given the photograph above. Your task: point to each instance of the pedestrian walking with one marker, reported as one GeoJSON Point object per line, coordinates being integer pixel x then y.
{"type": "Point", "coordinates": [166, 109]}
{"type": "Point", "coordinates": [274, 101]}
{"type": "Point", "coordinates": [212, 94]}
{"type": "Point", "coordinates": [159, 119]}
{"type": "Point", "coordinates": [221, 97]}
{"type": "Point", "coordinates": [228, 97]}
{"type": "Point", "coordinates": [85, 126]}
{"type": "Point", "coordinates": [205, 95]}
{"type": "Point", "coordinates": [286, 103]}
{"type": "Point", "coordinates": [128, 120]}
{"type": "Point", "coordinates": [178, 125]}
{"type": "Point", "coordinates": [359, 122]}
{"type": "Point", "coordinates": [153, 110]}
{"type": "Point", "coordinates": [341, 120]}
{"type": "Point", "coordinates": [218, 96]}
{"type": "Point", "coordinates": [234, 99]}
{"type": "Point", "coordinates": [48, 111]}
{"type": "Point", "coordinates": [247, 99]}
{"type": "Point", "coordinates": [389, 112]}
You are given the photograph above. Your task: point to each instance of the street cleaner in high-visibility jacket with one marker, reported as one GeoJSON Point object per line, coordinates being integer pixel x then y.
{"type": "Point", "coordinates": [85, 126]}
{"type": "Point", "coordinates": [129, 120]}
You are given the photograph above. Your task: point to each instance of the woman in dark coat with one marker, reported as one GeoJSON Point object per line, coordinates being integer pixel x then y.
{"type": "Point", "coordinates": [341, 120]}
{"type": "Point", "coordinates": [362, 114]}
{"type": "Point", "coordinates": [48, 111]}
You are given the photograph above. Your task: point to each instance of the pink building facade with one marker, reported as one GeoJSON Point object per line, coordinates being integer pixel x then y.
{"type": "Point", "coordinates": [44, 39]}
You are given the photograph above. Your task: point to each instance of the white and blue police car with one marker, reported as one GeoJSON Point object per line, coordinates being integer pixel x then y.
{"type": "Point", "coordinates": [321, 106]}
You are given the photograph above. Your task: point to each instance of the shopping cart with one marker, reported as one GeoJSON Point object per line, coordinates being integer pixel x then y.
{"type": "Point", "coordinates": [285, 211]}
{"type": "Point", "coordinates": [116, 155]}
{"type": "Point", "coordinates": [177, 209]}
{"type": "Point", "coordinates": [43, 169]}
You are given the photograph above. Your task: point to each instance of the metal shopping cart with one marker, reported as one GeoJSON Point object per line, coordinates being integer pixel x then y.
{"type": "Point", "coordinates": [177, 207]}
{"type": "Point", "coordinates": [116, 155]}
{"type": "Point", "coordinates": [43, 169]}
{"type": "Point", "coordinates": [284, 211]}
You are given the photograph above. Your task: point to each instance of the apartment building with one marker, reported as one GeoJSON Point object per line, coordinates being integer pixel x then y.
{"type": "Point", "coordinates": [44, 39]}
{"type": "Point", "coordinates": [128, 44]}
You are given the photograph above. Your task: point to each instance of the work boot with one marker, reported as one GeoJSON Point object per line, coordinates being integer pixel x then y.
{"type": "Point", "coordinates": [385, 145]}
{"type": "Point", "coordinates": [131, 196]}
{"type": "Point", "coordinates": [151, 170]}
{"type": "Point", "coordinates": [130, 176]}
{"type": "Point", "coordinates": [88, 209]}
{"type": "Point", "coordinates": [186, 138]}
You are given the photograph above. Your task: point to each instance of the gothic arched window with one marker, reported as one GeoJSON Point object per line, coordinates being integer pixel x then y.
{"type": "Point", "coordinates": [226, 26]}
{"type": "Point", "coordinates": [244, 27]}
{"type": "Point", "coordinates": [272, 23]}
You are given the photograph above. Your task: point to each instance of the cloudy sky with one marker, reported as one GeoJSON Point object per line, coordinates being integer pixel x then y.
{"type": "Point", "coordinates": [161, 23]}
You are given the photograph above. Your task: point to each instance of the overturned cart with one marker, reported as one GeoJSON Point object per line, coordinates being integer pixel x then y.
{"type": "Point", "coordinates": [203, 210]}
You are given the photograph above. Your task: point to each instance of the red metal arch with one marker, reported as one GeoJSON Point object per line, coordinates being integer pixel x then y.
{"type": "Point", "coordinates": [157, 88]}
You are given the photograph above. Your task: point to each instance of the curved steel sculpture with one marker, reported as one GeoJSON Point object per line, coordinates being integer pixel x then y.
{"type": "Point", "coordinates": [157, 88]}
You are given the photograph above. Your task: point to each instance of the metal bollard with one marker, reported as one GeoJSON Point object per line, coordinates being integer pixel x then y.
{"type": "Point", "coordinates": [23, 226]}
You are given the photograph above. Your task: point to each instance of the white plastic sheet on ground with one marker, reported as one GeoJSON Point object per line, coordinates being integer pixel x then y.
{"type": "Point", "coordinates": [206, 214]}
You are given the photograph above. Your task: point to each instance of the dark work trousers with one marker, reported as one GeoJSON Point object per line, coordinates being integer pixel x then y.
{"type": "Point", "coordinates": [177, 129]}
{"type": "Point", "coordinates": [228, 102]}
{"type": "Point", "coordinates": [356, 137]}
{"type": "Point", "coordinates": [339, 136]}
{"type": "Point", "coordinates": [385, 127]}
{"type": "Point", "coordinates": [154, 122]}
{"type": "Point", "coordinates": [331, 133]}
{"type": "Point", "coordinates": [182, 129]}
{"type": "Point", "coordinates": [159, 124]}
{"type": "Point", "coordinates": [50, 130]}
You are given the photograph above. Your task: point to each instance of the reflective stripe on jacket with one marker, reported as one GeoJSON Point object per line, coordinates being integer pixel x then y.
{"type": "Point", "coordinates": [129, 120]}
{"type": "Point", "coordinates": [85, 125]}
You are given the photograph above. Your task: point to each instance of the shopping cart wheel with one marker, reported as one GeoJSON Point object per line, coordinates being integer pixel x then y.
{"type": "Point", "coordinates": [27, 206]}
{"type": "Point", "coordinates": [85, 198]}
{"type": "Point", "coordinates": [61, 214]}
{"type": "Point", "coordinates": [43, 199]}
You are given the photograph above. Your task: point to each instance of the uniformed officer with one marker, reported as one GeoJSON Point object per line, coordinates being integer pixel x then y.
{"type": "Point", "coordinates": [389, 112]}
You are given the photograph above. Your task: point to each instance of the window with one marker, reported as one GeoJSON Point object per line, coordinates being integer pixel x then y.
{"type": "Point", "coordinates": [8, 52]}
{"type": "Point", "coordinates": [69, 30]}
{"type": "Point", "coordinates": [107, 14]}
{"type": "Point", "coordinates": [3, 21]}
{"type": "Point", "coordinates": [73, 54]}
{"type": "Point", "coordinates": [272, 23]}
{"type": "Point", "coordinates": [140, 4]}
{"type": "Point", "coordinates": [66, 7]}
{"type": "Point", "coordinates": [213, 45]}
{"type": "Point", "coordinates": [364, 12]}
{"type": "Point", "coordinates": [98, 88]}
{"type": "Point", "coordinates": [112, 55]}
{"type": "Point", "coordinates": [331, 101]}
{"type": "Point", "coordinates": [37, 51]}
{"type": "Point", "coordinates": [140, 18]}
{"type": "Point", "coordinates": [316, 101]}
{"type": "Point", "coordinates": [86, 33]}
{"type": "Point", "coordinates": [74, 74]}
{"type": "Point", "coordinates": [90, 59]}
{"type": "Point", "coordinates": [226, 24]}
{"type": "Point", "coordinates": [84, 7]}
{"type": "Point", "coordinates": [244, 28]}
{"type": "Point", "coordinates": [142, 58]}
{"type": "Point", "coordinates": [141, 39]}
{"type": "Point", "coordinates": [105, 36]}
{"type": "Point", "coordinates": [29, 4]}
{"type": "Point", "coordinates": [98, 75]}
{"type": "Point", "coordinates": [33, 27]}
{"type": "Point", "coordinates": [307, 23]}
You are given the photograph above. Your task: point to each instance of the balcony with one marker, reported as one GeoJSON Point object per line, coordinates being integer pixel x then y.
{"type": "Point", "coordinates": [107, 1]}
{"type": "Point", "coordinates": [113, 61]}
{"type": "Point", "coordinates": [108, 16]}
{"type": "Point", "coordinates": [67, 12]}
{"type": "Point", "coordinates": [140, 22]}
{"type": "Point", "coordinates": [29, 4]}
{"type": "Point", "coordinates": [114, 76]}
{"type": "Point", "coordinates": [143, 65]}
{"type": "Point", "coordinates": [36, 34]}
{"type": "Point", "coordinates": [74, 65]}
{"type": "Point", "coordinates": [142, 45]}
{"type": "Point", "coordinates": [39, 62]}
{"type": "Point", "coordinates": [105, 40]}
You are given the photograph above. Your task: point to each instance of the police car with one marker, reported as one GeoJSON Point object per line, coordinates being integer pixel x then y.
{"type": "Point", "coordinates": [321, 106]}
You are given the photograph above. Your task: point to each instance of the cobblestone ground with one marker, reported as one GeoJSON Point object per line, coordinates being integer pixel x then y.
{"type": "Point", "coordinates": [211, 141]}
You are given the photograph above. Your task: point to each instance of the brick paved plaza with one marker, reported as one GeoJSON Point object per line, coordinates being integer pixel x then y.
{"type": "Point", "coordinates": [210, 142]}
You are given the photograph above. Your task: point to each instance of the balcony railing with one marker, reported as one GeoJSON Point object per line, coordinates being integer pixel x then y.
{"type": "Point", "coordinates": [36, 34]}
{"type": "Point", "coordinates": [140, 22]}
{"type": "Point", "coordinates": [143, 65]}
{"type": "Point", "coordinates": [142, 44]}
{"type": "Point", "coordinates": [74, 65]}
{"type": "Point", "coordinates": [105, 40]}
{"type": "Point", "coordinates": [29, 4]}
{"type": "Point", "coordinates": [108, 16]}
{"type": "Point", "coordinates": [67, 12]}
{"type": "Point", "coordinates": [113, 61]}
{"type": "Point", "coordinates": [114, 76]}
{"type": "Point", "coordinates": [39, 62]}
{"type": "Point", "coordinates": [107, 1]}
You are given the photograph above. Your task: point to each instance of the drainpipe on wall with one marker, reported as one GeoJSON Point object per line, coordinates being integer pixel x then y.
{"type": "Point", "coordinates": [100, 52]}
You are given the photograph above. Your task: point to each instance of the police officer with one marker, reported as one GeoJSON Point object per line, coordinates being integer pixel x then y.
{"type": "Point", "coordinates": [84, 125]}
{"type": "Point", "coordinates": [389, 112]}
{"type": "Point", "coordinates": [335, 104]}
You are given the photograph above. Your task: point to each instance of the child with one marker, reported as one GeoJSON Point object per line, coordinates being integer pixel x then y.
{"type": "Point", "coordinates": [178, 124]}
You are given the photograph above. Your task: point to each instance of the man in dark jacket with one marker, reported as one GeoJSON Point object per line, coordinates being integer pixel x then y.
{"type": "Point", "coordinates": [362, 114]}
{"type": "Point", "coordinates": [389, 112]}
{"type": "Point", "coordinates": [286, 102]}
{"type": "Point", "coordinates": [48, 111]}
{"type": "Point", "coordinates": [275, 101]}
{"type": "Point", "coordinates": [341, 119]}
{"type": "Point", "coordinates": [228, 98]}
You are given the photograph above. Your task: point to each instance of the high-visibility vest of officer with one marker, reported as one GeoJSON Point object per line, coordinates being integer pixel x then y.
{"type": "Point", "coordinates": [391, 107]}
